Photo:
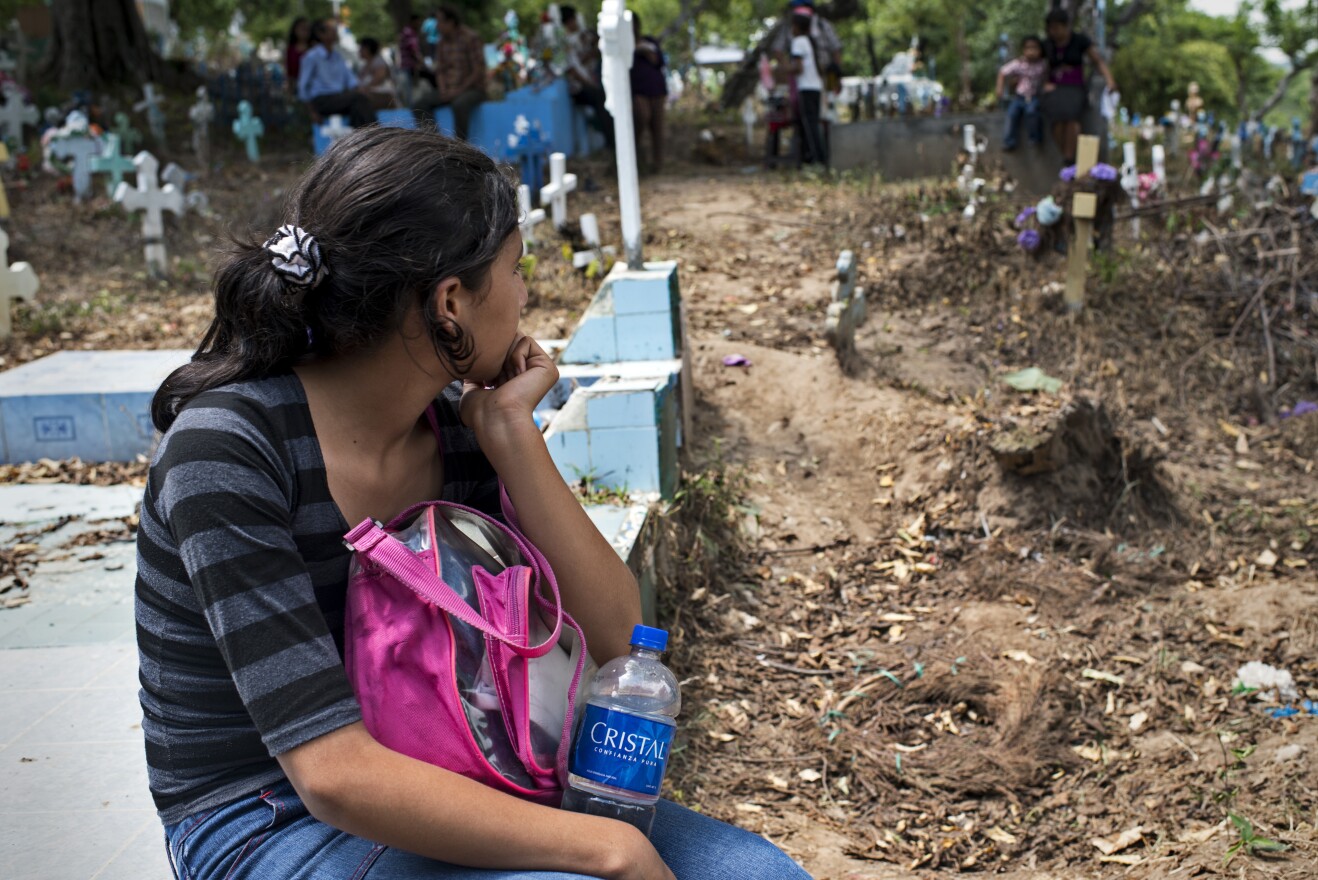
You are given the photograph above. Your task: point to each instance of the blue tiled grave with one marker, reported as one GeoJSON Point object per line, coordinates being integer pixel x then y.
{"type": "Point", "coordinates": [91, 404]}
{"type": "Point", "coordinates": [635, 316]}
{"type": "Point", "coordinates": [630, 531]}
{"type": "Point", "coordinates": [623, 433]}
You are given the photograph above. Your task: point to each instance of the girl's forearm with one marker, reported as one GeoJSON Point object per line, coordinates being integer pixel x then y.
{"type": "Point", "coordinates": [598, 588]}
{"type": "Point", "coordinates": [350, 781]}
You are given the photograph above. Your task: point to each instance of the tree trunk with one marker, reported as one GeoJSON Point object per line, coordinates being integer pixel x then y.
{"type": "Point", "coordinates": [100, 43]}
{"type": "Point", "coordinates": [400, 11]}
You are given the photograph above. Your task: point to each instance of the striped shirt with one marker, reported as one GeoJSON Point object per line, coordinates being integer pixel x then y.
{"type": "Point", "coordinates": [241, 583]}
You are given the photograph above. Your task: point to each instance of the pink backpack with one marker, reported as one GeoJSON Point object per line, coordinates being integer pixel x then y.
{"type": "Point", "coordinates": [459, 650]}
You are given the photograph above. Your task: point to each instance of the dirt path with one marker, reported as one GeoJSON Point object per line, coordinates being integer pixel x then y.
{"type": "Point", "coordinates": [934, 663]}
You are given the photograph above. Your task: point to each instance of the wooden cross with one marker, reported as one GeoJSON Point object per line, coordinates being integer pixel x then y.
{"type": "Point", "coordinates": [560, 184]}
{"type": "Point", "coordinates": [17, 282]}
{"type": "Point", "coordinates": [150, 198]}
{"type": "Point", "coordinates": [15, 113]}
{"type": "Point", "coordinates": [531, 217]}
{"type": "Point", "coordinates": [112, 162]}
{"type": "Point", "coordinates": [81, 149]}
{"type": "Point", "coordinates": [1084, 208]}
{"type": "Point", "coordinates": [247, 128]}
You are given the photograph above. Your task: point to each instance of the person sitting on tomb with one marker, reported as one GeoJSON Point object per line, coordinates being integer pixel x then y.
{"type": "Point", "coordinates": [364, 358]}
{"type": "Point", "coordinates": [583, 79]}
{"type": "Point", "coordinates": [1025, 74]}
{"type": "Point", "coordinates": [377, 78]}
{"type": "Point", "coordinates": [460, 73]}
{"type": "Point", "coordinates": [1065, 94]}
{"type": "Point", "coordinates": [325, 82]}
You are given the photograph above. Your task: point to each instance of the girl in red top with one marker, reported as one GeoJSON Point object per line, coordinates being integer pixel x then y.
{"type": "Point", "coordinates": [299, 41]}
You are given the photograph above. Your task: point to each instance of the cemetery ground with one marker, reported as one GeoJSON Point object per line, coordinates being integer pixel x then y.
{"type": "Point", "coordinates": [925, 622]}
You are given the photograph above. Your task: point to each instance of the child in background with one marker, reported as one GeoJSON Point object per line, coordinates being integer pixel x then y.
{"type": "Point", "coordinates": [1028, 71]}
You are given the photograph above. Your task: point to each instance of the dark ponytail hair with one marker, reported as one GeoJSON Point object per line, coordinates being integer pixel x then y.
{"type": "Point", "coordinates": [395, 212]}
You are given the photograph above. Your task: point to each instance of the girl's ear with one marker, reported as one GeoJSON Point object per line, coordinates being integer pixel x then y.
{"type": "Point", "coordinates": [447, 300]}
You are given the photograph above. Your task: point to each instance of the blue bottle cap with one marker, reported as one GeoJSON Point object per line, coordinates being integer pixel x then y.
{"type": "Point", "coordinates": [650, 638]}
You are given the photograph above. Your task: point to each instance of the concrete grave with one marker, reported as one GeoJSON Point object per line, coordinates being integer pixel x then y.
{"type": "Point", "coordinates": [17, 282]}
{"type": "Point", "coordinates": [635, 316]}
{"type": "Point", "coordinates": [846, 312]}
{"type": "Point", "coordinates": [202, 114]}
{"type": "Point", "coordinates": [621, 434]}
{"type": "Point", "coordinates": [94, 405]}
{"type": "Point", "coordinates": [153, 200]}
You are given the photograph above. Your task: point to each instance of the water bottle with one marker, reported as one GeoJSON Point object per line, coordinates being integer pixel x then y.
{"type": "Point", "coordinates": [622, 740]}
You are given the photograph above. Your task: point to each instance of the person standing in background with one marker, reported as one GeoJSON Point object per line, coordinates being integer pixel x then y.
{"type": "Point", "coordinates": [410, 62]}
{"type": "Point", "coordinates": [1065, 94]}
{"type": "Point", "coordinates": [299, 41]}
{"type": "Point", "coordinates": [582, 76]}
{"type": "Point", "coordinates": [649, 92]}
{"type": "Point", "coordinates": [822, 35]}
{"type": "Point", "coordinates": [460, 72]}
{"type": "Point", "coordinates": [809, 91]}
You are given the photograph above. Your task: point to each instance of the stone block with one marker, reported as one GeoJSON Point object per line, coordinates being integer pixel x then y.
{"type": "Point", "coordinates": [91, 404]}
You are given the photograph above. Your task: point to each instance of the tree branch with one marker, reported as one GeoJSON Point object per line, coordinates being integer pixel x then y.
{"type": "Point", "coordinates": [1299, 64]}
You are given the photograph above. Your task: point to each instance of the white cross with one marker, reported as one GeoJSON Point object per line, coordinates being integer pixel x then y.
{"type": "Point", "coordinates": [15, 113]}
{"type": "Point", "coordinates": [151, 199]}
{"type": "Point", "coordinates": [1130, 181]}
{"type": "Point", "coordinates": [155, 117]}
{"type": "Point", "coordinates": [590, 233]}
{"type": "Point", "coordinates": [617, 45]}
{"type": "Point", "coordinates": [555, 191]}
{"type": "Point", "coordinates": [81, 149]}
{"type": "Point", "coordinates": [530, 217]}
{"type": "Point", "coordinates": [335, 128]}
{"type": "Point", "coordinates": [1160, 164]}
{"type": "Point", "coordinates": [748, 117]}
{"type": "Point", "coordinates": [16, 282]}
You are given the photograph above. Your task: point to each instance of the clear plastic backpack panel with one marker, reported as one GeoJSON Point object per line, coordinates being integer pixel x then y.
{"type": "Point", "coordinates": [465, 541]}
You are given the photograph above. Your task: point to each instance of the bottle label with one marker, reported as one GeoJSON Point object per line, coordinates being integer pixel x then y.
{"type": "Point", "coordinates": [622, 750]}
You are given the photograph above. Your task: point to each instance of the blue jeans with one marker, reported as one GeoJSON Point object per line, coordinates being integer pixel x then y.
{"type": "Point", "coordinates": [1029, 110]}
{"type": "Point", "coordinates": [271, 836]}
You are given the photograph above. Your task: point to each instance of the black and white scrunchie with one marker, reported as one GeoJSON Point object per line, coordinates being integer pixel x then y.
{"type": "Point", "coordinates": [295, 256]}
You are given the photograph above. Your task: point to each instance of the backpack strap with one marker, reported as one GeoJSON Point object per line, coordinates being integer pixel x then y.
{"type": "Point", "coordinates": [374, 545]}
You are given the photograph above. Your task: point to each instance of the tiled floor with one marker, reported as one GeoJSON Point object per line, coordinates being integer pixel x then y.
{"type": "Point", "coordinates": [73, 794]}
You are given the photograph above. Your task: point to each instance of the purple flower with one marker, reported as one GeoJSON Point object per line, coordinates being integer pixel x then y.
{"type": "Point", "coordinates": [1068, 174]}
{"type": "Point", "coordinates": [1103, 171]}
{"type": "Point", "coordinates": [1025, 215]}
{"type": "Point", "coordinates": [1029, 239]}
{"type": "Point", "coordinates": [1303, 408]}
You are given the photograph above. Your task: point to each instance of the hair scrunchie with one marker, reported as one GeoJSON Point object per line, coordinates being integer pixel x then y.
{"type": "Point", "coordinates": [295, 256]}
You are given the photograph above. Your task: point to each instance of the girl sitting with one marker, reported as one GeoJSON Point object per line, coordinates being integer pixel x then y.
{"type": "Point", "coordinates": [363, 358]}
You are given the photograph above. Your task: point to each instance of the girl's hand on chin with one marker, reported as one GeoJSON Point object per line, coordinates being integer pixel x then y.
{"type": "Point", "coordinates": [527, 376]}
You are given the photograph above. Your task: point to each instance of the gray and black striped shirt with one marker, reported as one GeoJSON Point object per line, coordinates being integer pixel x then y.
{"type": "Point", "coordinates": [240, 589]}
